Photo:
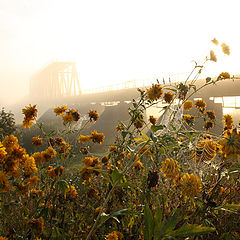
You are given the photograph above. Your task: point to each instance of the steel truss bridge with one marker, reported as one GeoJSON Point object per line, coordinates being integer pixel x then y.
{"type": "Point", "coordinates": [58, 79]}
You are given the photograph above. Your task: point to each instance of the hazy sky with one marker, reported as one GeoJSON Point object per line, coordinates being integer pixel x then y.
{"type": "Point", "coordinates": [112, 41]}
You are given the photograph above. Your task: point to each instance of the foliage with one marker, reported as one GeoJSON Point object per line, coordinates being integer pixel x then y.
{"type": "Point", "coordinates": [171, 182]}
{"type": "Point", "coordinates": [7, 123]}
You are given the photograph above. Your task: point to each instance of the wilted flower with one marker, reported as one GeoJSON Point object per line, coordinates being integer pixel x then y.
{"type": "Point", "coordinates": [97, 137]}
{"type": "Point", "coordinates": [211, 115]}
{"type": "Point", "coordinates": [37, 224]}
{"type": "Point", "coordinates": [190, 185]}
{"type": "Point", "coordinates": [4, 185]}
{"type": "Point", "coordinates": [93, 115]}
{"type": "Point", "coordinates": [187, 105]}
{"type": "Point", "coordinates": [215, 41]}
{"type": "Point", "coordinates": [208, 125]}
{"type": "Point", "coordinates": [225, 48]}
{"type": "Point", "coordinates": [168, 97]}
{"type": "Point", "coordinates": [155, 92]}
{"type": "Point", "coordinates": [213, 56]}
{"type": "Point", "coordinates": [105, 160]}
{"type": "Point", "coordinates": [189, 119]}
{"type": "Point", "coordinates": [152, 120]}
{"type": "Point", "coordinates": [200, 105]}
{"type": "Point", "coordinates": [152, 179]}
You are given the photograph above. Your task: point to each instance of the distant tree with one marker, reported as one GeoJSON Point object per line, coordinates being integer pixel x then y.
{"type": "Point", "coordinates": [7, 123]}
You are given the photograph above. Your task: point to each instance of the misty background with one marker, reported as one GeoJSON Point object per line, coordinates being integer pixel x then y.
{"type": "Point", "coordinates": [111, 41]}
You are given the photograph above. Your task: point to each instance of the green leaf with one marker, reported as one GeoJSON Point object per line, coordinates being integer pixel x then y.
{"type": "Point", "coordinates": [63, 186]}
{"type": "Point", "coordinates": [116, 176]}
{"type": "Point", "coordinates": [208, 79]}
{"type": "Point", "coordinates": [155, 128]}
{"type": "Point", "coordinates": [124, 133]}
{"type": "Point", "coordinates": [114, 214]}
{"type": "Point", "coordinates": [190, 230]}
{"type": "Point", "coordinates": [157, 223]}
{"type": "Point", "coordinates": [104, 174]}
{"type": "Point", "coordinates": [148, 222]}
{"type": "Point", "coordinates": [170, 223]}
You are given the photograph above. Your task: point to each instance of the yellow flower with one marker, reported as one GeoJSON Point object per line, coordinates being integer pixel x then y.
{"type": "Point", "coordinates": [189, 119]}
{"type": "Point", "coordinates": [138, 165]}
{"type": "Point", "coordinates": [97, 137]}
{"type": "Point", "coordinates": [213, 56]}
{"type": "Point", "coordinates": [112, 148]}
{"type": "Point", "coordinates": [228, 121]}
{"type": "Point", "coordinates": [60, 110]}
{"type": "Point", "coordinates": [55, 172]}
{"type": "Point", "coordinates": [37, 141]}
{"type": "Point", "coordinates": [205, 151]}
{"type": "Point", "coordinates": [30, 114]}
{"type": "Point", "coordinates": [200, 105]}
{"type": "Point", "coordinates": [3, 153]}
{"type": "Point", "coordinates": [225, 48]}
{"type": "Point", "coordinates": [230, 144]}
{"type": "Point", "coordinates": [187, 105]}
{"type": "Point", "coordinates": [84, 139]}
{"type": "Point", "coordinates": [115, 235]}
{"type": "Point", "coordinates": [93, 115]}
{"type": "Point", "coordinates": [191, 185]}
{"type": "Point", "coordinates": [48, 154]}
{"type": "Point", "coordinates": [9, 142]}
{"type": "Point", "coordinates": [155, 92]}
{"type": "Point", "coordinates": [3, 238]}
{"type": "Point", "coordinates": [38, 157]}
{"type": "Point", "coordinates": [33, 180]}
{"type": "Point", "coordinates": [168, 97]}
{"type": "Point", "coordinates": [170, 168]}
{"type": "Point", "coordinates": [4, 185]}
{"type": "Point", "coordinates": [71, 192]}
{"type": "Point", "coordinates": [67, 118]}
{"type": "Point", "coordinates": [29, 165]}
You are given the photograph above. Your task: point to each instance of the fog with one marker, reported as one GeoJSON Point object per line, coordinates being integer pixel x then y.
{"type": "Point", "coordinates": [111, 41]}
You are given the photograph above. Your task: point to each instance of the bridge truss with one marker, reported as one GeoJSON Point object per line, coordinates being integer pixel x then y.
{"type": "Point", "coordinates": [59, 79]}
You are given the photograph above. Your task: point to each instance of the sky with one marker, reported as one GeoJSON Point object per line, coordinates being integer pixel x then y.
{"type": "Point", "coordinates": [113, 41]}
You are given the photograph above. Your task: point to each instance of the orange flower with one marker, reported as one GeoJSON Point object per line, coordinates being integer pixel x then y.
{"type": "Point", "coordinates": [168, 97]}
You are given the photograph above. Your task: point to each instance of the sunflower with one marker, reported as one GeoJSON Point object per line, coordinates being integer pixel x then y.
{"type": "Point", "coordinates": [168, 97]}
{"type": "Point", "coordinates": [190, 185]}
{"type": "Point", "coordinates": [155, 92]}
{"type": "Point", "coordinates": [230, 144]}
{"type": "Point", "coordinates": [30, 114]}
{"type": "Point", "coordinates": [187, 105]}
{"type": "Point", "coordinates": [97, 137]}
{"type": "Point", "coordinates": [170, 168]}
{"type": "Point", "coordinates": [37, 141]}
{"type": "Point", "coordinates": [228, 121]}
{"type": "Point", "coordinates": [200, 105]}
